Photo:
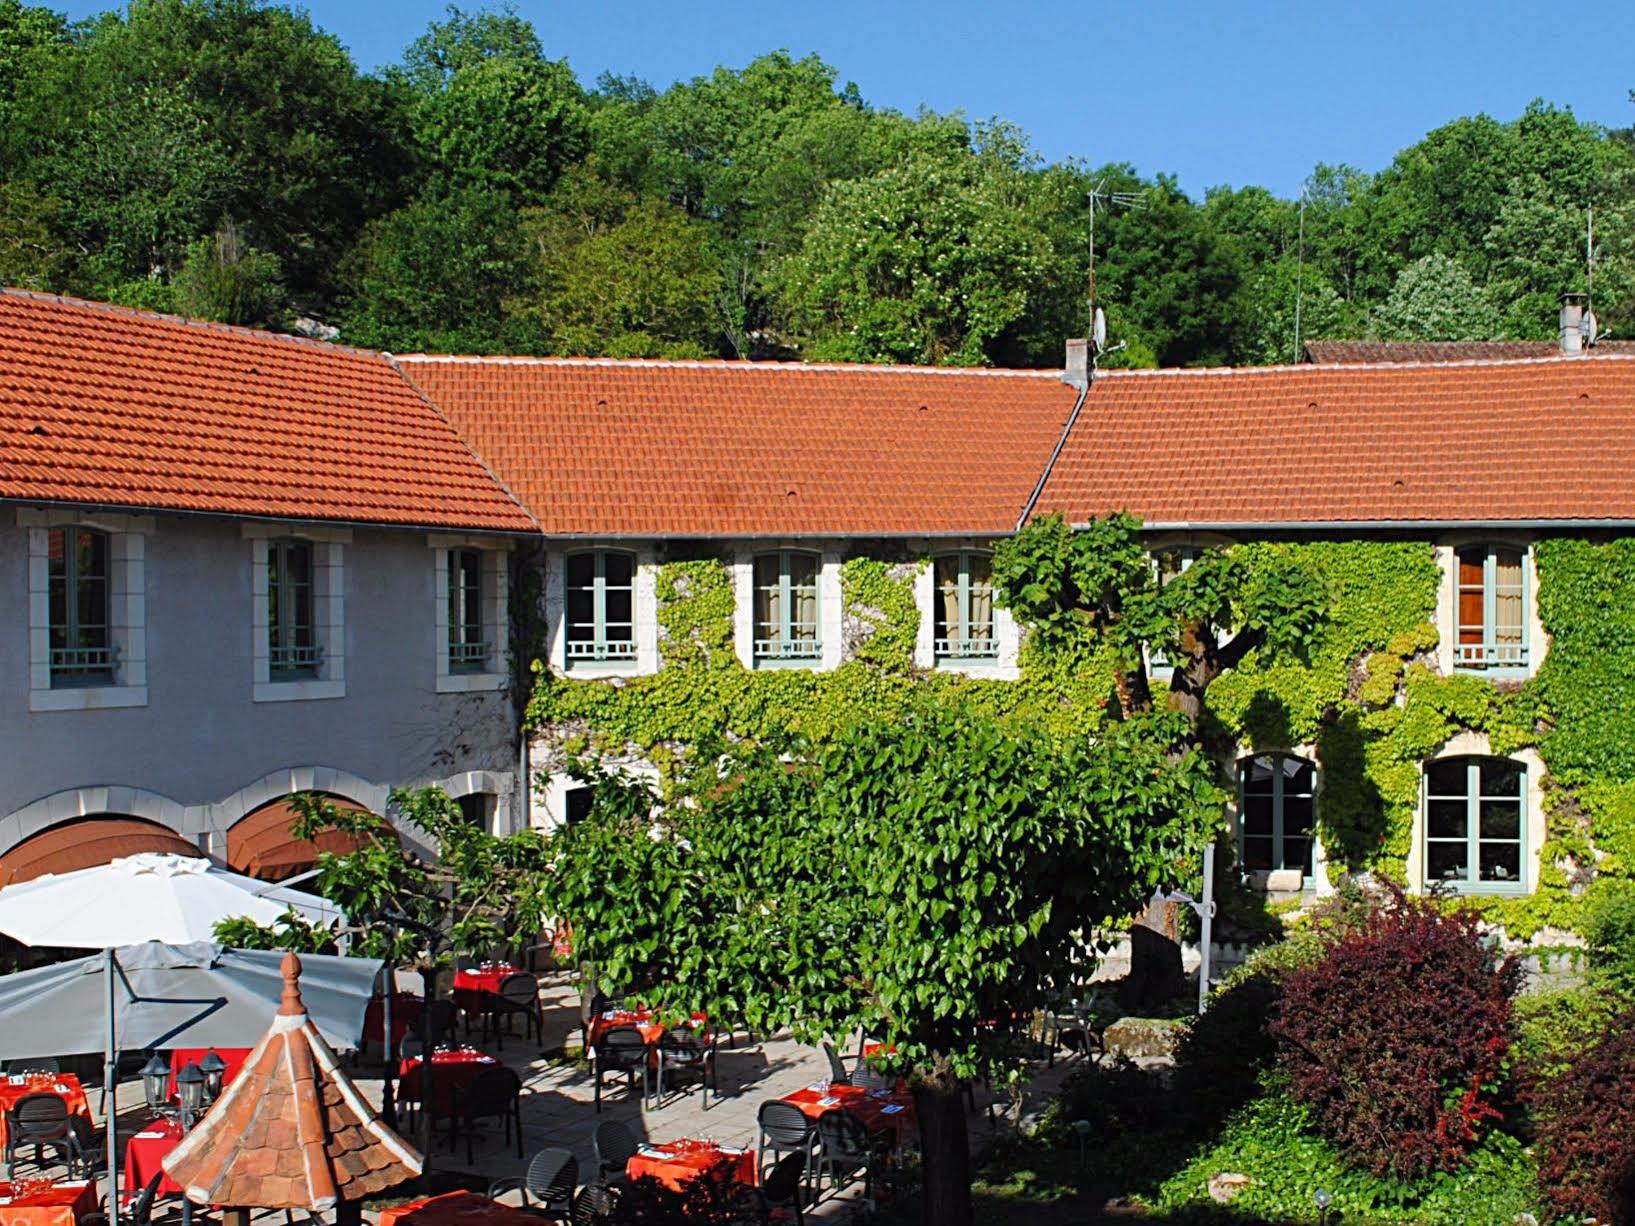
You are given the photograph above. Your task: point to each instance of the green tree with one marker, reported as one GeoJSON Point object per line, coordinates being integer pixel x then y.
{"type": "Point", "coordinates": [223, 279]}
{"type": "Point", "coordinates": [465, 40]}
{"type": "Point", "coordinates": [33, 41]}
{"type": "Point", "coordinates": [1435, 299]}
{"type": "Point", "coordinates": [1268, 306]}
{"type": "Point", "coordinates": [916, 879]}
{"type": "Point", "coordinates": [33, 252]}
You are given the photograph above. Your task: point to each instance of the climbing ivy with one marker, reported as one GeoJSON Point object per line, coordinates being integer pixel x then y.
{"type": "Point", "coordinates": [1367, 696]}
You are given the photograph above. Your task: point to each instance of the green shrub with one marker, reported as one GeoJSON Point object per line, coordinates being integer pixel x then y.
{"type": "Point", "coordinates": [1610, 931]}
{"type": "Point", "coordinates": [1552, 1028]}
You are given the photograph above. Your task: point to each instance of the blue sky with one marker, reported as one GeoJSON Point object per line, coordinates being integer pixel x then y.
{"type": "Point", "coordinates": [1233, 92]}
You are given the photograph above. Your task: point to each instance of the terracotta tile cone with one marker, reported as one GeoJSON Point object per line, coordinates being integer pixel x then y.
{"type": "Point", "coordinates": [291, 1131]}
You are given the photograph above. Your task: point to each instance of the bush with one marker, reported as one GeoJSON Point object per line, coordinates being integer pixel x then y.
{"type": "Point", "coordinates": [1610, 930]}
{"type": "Point", "coordinates": [1586, 1135]}
{"type": "Point", "coordinates": [1397, 1040]}
{"type": "Point", "coordinates": [1553, 1028]}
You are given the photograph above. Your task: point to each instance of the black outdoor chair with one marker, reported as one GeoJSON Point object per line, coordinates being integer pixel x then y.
{"type": "Point", "coordinates": [616, 1145]}
{"type": "Point", "coordinates": [866, 1078]}
{"type": "Point", "coordinates": [441, 1019]}
{"type": "Point", "coordinates": [518, 996]}
{"type": "Point", "coordinates": [595, 1203]}
{"type": "Point", "coordinates": [837, 1066]}
{"type": "Point", "coordinates": [682, 1054]}
{"type": "Point", "coordinates": [785, 1188]}
{"type": "Point", "coordinates": [494, 1094]}
{"type": "Point", "coordinates": [845, 1148]}
{"type": "Point", "coordinates": [784, 1130]}
{"type": "Point", "coordinates": [34, 1064]}
{"type": "Point", "coordinates": [40, 1120]}
{"type": "Point", "coordinates": [550, 1179]}
{"type": "Point", "coordinates": [622, 1050]}
{"type": "Point", "coordinates": [88, 1151]}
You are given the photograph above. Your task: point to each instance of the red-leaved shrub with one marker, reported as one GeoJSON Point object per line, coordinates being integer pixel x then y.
{"type": "Point", "coordinates": [1396, 1041]}
{"type": "Point", "coordinates": [1586, 1132]}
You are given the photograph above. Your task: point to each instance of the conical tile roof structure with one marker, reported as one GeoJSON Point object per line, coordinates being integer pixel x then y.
{"type": "Point", "coordinates": [291, 1131]}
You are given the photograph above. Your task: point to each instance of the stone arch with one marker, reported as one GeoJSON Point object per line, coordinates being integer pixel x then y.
{"type": "Point", "coordinates": [86, 842]}
{"type": "Point", "coordinates": [72, 803]}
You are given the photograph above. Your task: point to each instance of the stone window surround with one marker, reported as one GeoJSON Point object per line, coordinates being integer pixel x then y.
{"type": "Point", "coordinates": [1447, 602]}
{"type": "Point", "coordinates": [1003, 666]}
{"type": "Point", "coordinates": [1285, 882]}
{"type": "Point", "coordinates": [1534, 823]}
{"type": "Point", "coordinates": [127, 609]}
{"type": "Point", "coordinates": [328, 605]}
{"type": "Point", "coordinates": [646, 609]}
{"type": "Point", "coordinates": [741, 566]}
{"type": "Point", "coordinates": [495, 602]}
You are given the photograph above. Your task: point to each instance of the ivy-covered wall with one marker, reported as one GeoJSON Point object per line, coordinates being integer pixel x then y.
{"type": "Point", "coordinates": [1368, 697]}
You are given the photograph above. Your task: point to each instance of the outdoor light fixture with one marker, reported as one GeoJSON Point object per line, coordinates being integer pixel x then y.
{"type": "Point", "coordinates": [190, 1093]}
{"type": "Point", "coordinates": [1322, 1200]}
{"type": "Point", "coordinates": [1204, 908]}
{"type": "Point", "coordinates": [156, 1083]}
{"type": "Point", "coordinates": [214, 1069]}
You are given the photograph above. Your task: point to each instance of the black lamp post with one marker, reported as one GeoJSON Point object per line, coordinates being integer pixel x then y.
{"type": "Point", "coordinates": [190, 1093]}
{"type": "Point", "coordinates": [156, 1083]}
{"type": "Point", "coordinates": [214, 1069]}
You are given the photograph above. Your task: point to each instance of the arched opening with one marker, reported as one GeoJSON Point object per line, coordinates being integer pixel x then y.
{"type": "Point", "coordinates": [85, 842]}
{"type": "Point", "coordinates": [260, 844]}
{"type": "Point", "coordinates": [1276, 807]}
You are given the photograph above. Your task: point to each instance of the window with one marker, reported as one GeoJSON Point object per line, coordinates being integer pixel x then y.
{"type": "Point", "coordinates": [601, 612]}
{"type": "Point", "coordinates": [82, 649]}
{"type": "Point", "coordinates": [963, 617]}
{"type": "Point", "coordinates": [1473, 823]}
{"type": "Point", "coordinates": [467, 648]}
{"type": "Point", "coordinates": [477, 809]}
{"type": "Point", "coordinates": [1167, 563]}
{"type": "Point", "coordinates": [786, 607]}
{"type": "Point", "coordinates": [576, 804]}
{"type": "Point", "coordinates": [292, 645]}
{"type": "Point", "coordinates": [1490, 608]}
{"type": "Point", "coordinates": [1275, 799]}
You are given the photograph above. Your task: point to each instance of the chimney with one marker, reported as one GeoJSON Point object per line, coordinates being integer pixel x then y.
{"type": "Point", "coordinates": [1077, 372]}
{"type": "Point", "coordinates": [1572, 325]}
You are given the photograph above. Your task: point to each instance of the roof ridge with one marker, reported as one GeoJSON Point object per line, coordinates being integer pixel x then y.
{"type": "Point", "coordinates": [188, 321]}
{"type": "Point", "coordinates": [1313, 367]}
{"type": "Point", "coordinates": [735, 364]}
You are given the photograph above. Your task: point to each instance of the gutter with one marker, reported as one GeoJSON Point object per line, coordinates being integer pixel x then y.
{"type": "Point", "coordinates": [128, 508]}
{"type": "Point", "coordinates": [1342, 525]}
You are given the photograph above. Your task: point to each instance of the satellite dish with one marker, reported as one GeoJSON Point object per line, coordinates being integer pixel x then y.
{"type": "Point", "coordinates": [1589, 327]}
{"type": "Point", "coordinates": [1098, 330]}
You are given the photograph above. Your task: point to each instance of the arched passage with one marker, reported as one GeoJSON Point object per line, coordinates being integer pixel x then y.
{"type": "Point", "coordinates": [260, 843]}
{"type": "Point", "coordinates": [85, 842]}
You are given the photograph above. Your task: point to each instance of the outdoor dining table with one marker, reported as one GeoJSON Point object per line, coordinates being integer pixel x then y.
{"type": "Point", "coordinates": [145, 1155]}
{"type": "Point", "coordinates": [406, 1010]}
{"type": "Point", "coordinates": [456, 1209]}
{"type": "Point", "coordinates": [475, 986]}
{"type": "Point", "coordinates": [232, 1057]}
{"type": "Point", "coordinates": [41, 1203]}
{"type": "Point", "coordinates": [645, 1020]}
{"type": "Point", "coordinates": [451, 1073]}
{"type": "Point", "coordinates": [676, 1162]}
{"type": "Point", "coordinates": [877, 1110]}
{"type": "Point", "coordinates": [65, 1086]}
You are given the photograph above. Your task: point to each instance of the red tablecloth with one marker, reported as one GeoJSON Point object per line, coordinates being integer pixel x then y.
{"type": "Point", "coordinates": [64, 1085]}
{"type": "Point", "coordinates": [60, 1204]}
{"type": "Point", "coordinates": [472, 988]}
{"type": "Point", "coordinates": [644, 1020]}
{"type": "Point", "coordinates": [144, 1157]}
{"type": "Point", "coordinates": [451, 1073]}
{"type": "Point", "coordinates": [456, 1209]}
{"type": "Point", "coordinates": [675, 1162]}
{"type": "Point", "coordinates": [406, 1011]}
{"type": "Point", "coordinates": [876, 1112]}
{"type": "Point", "coordinates": [232, 1057]}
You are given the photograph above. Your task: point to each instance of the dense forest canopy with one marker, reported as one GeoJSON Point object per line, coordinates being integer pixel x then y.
{"type": "Point", "coordinates": [227, 159]}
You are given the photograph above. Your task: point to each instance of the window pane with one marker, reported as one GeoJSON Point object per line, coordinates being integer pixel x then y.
{"type": "Point", "coordinates": [1257, 817]}
{"type": "Point", "coordinates": [1507, 603]}
{"type": "Point", "coordinates": [1257, 776]}
{"type": "Point", "coordinates": [576, 803]}
{"type": "Point", "coordinates": [1257, 852]}
{"type": "Point", "coordinates": [618, 603]}
{"type": "Point", "coordinates": [1501, 861]}
{"type": "Point", "coordinates": [803, 600]}
{"type": "Point", "coordinates": [768, 607]}
{"type": "Point", "coordinates": [1447, 819]}
{"type": "Point", "coordinates": [1297, 816]}
{"type": "Point", "coordinates": [1447, 861]}
{"type": "Point", "coordinates": [1500, 819]}
{"type": "Point", "coordinates": [803, 569]}
{"type": "Point", "coordinates": [980, 619]}
{"type": "Point", "coordinates": [1299, 776]}
{"type": "Point", "coordinates": [581, 616]}
{"type": "Point", "coordinates": [619, 569]}
{"type": "Point", "coordinates": [1448, 777]}
{"type": "Point", "coordinates": [946, 612]}
{"type": "Point", "coordinates": [1297, 854]}
{"type": "Point", "coordinates": [1472, 580]}
{"type": "Point", "coordinates": [1501, 777]}
{"type": "Point", "coordinates": [581, 569]}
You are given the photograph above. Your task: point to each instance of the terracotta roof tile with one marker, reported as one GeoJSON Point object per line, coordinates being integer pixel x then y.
{"type": "Point", "coordinates": [112, 407]}
{"type": "Point", "coordinates": [634, 448]}
{"type": "Point", "coordinates": [1481, 442]}
{"type": "Point", "coordinates": [1445, 351]}
{"type": "Point", "coordinates": [291, 1131]}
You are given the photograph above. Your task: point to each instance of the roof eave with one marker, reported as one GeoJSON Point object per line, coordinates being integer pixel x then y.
{"type": "Point", "coordinates": [127, 508]}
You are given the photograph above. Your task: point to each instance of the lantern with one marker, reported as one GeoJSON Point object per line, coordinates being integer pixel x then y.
{"type": "Point", "coordinates": [190, 1093]}
{"type": "Point", "coordinates": [156, 1083]}
{"type": "Point", "coordinates": [214, 1069]}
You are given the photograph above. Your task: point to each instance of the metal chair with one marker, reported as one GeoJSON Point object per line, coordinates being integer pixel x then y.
{"type": "Point", "coordinates": [844, 1148]}
{"type": "Point", "coordinates": [494, 1093]}
{"type": "Point", "coordinates": [683, 1054]}
{"type": "Point", "coordinates": [837, 1066]}
{"type": "Point", "coordinates": [40, 1120]}
{"type": "Point", "coordinates": [141, 1210]}
{"type": "Point", "coordinates": [87, 1149]}
{"type": "Point", "coordinates": [595, 1203]}
{"type": "Point", "coordinates": [616, 1145]}
{"type": "Point", "coordinates": [518, 996]}
{"type": "Point", "coordinates": [784, 1129]}
{"type": "Point", "coordinates": [785, 1188]}
{"type": "Point", "coordinates": [441, 1019]}
{"type": "Point", "coordinates": [550, 1179]}
{"type": "Point", "coordinates": [622, 1050]}
{"type": "Point", "coordinates": [867, 1079]}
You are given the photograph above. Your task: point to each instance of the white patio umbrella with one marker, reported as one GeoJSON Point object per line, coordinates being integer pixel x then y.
{"type": "Point", "coordinates": [157, 995]}
{"type": "Point", "coordinates": [148, 897]}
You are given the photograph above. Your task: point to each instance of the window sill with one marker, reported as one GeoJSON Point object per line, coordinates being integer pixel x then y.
{"type": "Point", "coordinates": [976, 666]}
{"type": "Point", "coordinates": [1483, 889]}
{"type": "Point", "coordinates": [88, 698]}
{"type": "Point", "coordinates": [298, 691]}
{"type": "Point", "coordinates": [471, 683]}
{"type": "Point", "coordinates": [808, 663]}
{"type": "Point", "coordinates": [602, 668]}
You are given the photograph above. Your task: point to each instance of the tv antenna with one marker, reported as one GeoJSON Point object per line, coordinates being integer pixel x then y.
{"type": "Point", "coordinates": [1101, 198]}
{"type": "Point", "coordinates": [1590, 324]}
{"type": "Point", "coordinates": [1300, 272]}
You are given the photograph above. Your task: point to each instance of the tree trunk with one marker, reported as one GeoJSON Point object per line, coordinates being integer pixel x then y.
{"type": "Point", "coordinates": [1156, 974]}
{"type": "Point", "coordinates": [940, 1108]}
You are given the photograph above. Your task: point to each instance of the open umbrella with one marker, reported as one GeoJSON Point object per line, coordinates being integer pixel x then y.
{"type": "Point", "coordinates": [148, 897]}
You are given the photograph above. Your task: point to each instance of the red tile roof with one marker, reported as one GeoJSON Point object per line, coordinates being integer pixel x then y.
{"type": "Point", "coordinates": [1446, 351]}
{"type": "Point", "coordinates": [291, 1131]}
{"type": "Point", "coordinates": [1544, 440]}
{"type": "Point", "coordinates": [641, 448]}
{"type": "Point", "coordinates": [111, 407]}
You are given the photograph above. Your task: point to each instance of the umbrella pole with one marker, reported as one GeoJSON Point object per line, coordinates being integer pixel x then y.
{"type": "Point", "coordinates": [110, 1083]}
